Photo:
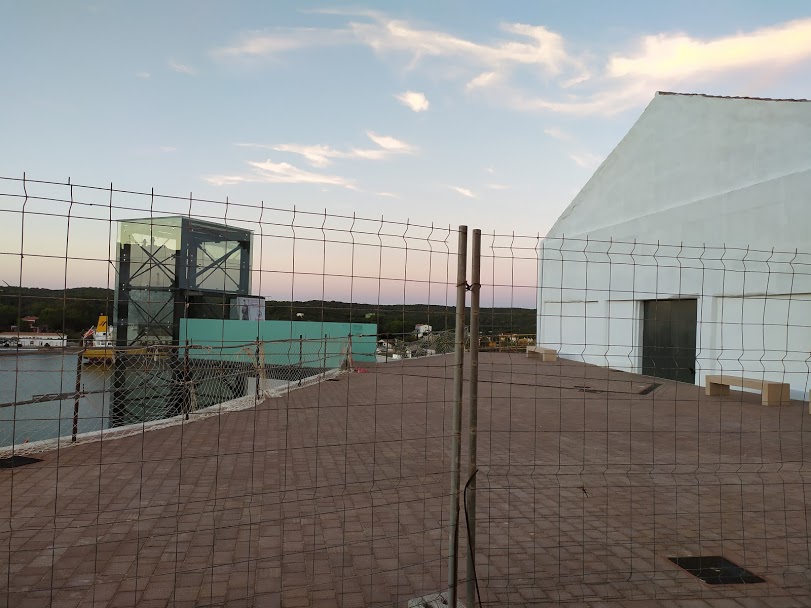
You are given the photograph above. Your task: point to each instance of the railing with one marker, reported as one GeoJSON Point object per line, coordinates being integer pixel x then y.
{"type": "Point", "coordinates": [129, 386]}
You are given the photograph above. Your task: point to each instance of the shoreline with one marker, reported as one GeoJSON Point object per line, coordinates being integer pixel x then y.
{"type": "Point", "coordinates": [41, 350]}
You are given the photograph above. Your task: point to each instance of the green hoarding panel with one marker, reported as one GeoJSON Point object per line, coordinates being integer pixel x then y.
{"type": "Point", "coordinates": [286, 343]}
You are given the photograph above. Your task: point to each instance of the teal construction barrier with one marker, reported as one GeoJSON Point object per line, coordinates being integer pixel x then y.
{"type": "Point", "coordinates": [283, 343]}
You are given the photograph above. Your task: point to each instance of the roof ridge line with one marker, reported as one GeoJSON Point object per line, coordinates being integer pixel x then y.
{"type": "Point", "coordinates": [730, 96]}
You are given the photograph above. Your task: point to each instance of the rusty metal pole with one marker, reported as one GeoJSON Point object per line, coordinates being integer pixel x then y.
{"type": "Point", "coordinates": [259, 365]}
{"type": "Point", "coordinates": [473, 390]}
{"type": "Point", "coordinates": [76, 396]}
{"type": "Point", "coordinates": [300, 358]}
{"type": "Point", "coordinates": [188, 386]}
{"type": "Point", "coordinates": [456, 438]}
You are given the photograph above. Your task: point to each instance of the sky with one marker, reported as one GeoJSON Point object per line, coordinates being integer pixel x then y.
{"type": "Point", "coordinates": [489, 114]}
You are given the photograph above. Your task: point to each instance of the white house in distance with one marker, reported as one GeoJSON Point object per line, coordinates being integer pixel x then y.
{"type": "Point", "coordinates": [32, 339]}
{"type": "Point", "coordinates": [421, 329]}
{"type": "Point", "coordinates": [688, 252]}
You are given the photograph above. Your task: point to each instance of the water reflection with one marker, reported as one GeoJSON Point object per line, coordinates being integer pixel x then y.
{"type": "Point", "coordinates": [24, 376]}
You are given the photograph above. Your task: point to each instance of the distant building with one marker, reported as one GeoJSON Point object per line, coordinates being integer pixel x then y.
{"type": "Point", "coordinates": [32, 339]}
{"type": "Point", "coordinates": [422, 329]}
{"type": "Point", "coordinates": [248, 308]}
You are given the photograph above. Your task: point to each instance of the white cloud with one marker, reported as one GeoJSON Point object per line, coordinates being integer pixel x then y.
{"type": "Point", "coordinates": [677, 56]}
{"type": "Point", "coordinates": [498, 186]}
{"type": "Point", "coordinates": [320, 155]}
{"type": "Point", "coordinates": [143, 75]}
{"type": "Point", "coordinates": [277, 41]}
{"type": "Point", "coordinates": [559, 134]}
{"type": "Point", "coordinates": [532, 68]}
{"type": "Point", "coordinates": [603, 102]}
{"type": "Point", "coordinates": [523, 44]}
{"type": "Point", "coordinates": [531, 45]}
{"type": "Point", "coordinates": [269, 172]}
{"type": "Point", "coordinates": [182, 68]}
{"type": "Point", "coordinates": [391, 144]}
{"type": "Point", "coordinates": [388, 194]}
{"type": "Point", "coordinates": [413, 100]}
{"type": "Point", "coordinates": [586, 160]}
{"type": "Point", "coordinates": [680, 62]}
{"type": "Point", "coordinates": [168, 149]}
{"type": "Point", "coordinates": [463, 191]}
{"type": "Point", "coordinates": [485, 79]}
{"type": "Point", "coordinates": [575, 80]}
{"type": "Point", "coordinates": [367, 153]}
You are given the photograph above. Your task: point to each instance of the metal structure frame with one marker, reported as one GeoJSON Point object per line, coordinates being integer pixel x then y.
{"type": "Point", "coordinates": [160, 285]}
{"type": "Point", "coordinates": [169, 269]}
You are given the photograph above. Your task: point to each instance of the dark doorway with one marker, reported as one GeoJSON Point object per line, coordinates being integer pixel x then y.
{"type": "Point", "coordinates": [669, 339]}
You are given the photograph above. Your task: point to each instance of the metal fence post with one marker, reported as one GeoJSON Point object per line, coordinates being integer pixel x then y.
{"type": "Point", "coordinates": [456, 444]}
{"type": "Point", "coordinates": [77, 395]}
{"type": "Point", "coordinates": [259, 365]}
{"type": "Point", "coordinates": [470, 493]}
{"type": "Point", "coordinates": [187, 384]}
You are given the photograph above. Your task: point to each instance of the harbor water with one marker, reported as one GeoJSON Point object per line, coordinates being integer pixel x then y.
{"type": "Point", "coordinates": [30, 375]}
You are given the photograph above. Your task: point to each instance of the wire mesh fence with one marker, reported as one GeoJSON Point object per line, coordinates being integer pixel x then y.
{"type": "Point", "coordinates": [245, 434]}
{"type": "Point", "coordinates": [272, 411]}
{"type": "Point", "coordinates": [653, 443]}
{"type": "Point", "coordinates": [132, 386]}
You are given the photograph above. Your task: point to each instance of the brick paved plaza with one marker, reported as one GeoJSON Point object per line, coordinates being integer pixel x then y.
{"type": "Point", "coordinates": [337, 495]}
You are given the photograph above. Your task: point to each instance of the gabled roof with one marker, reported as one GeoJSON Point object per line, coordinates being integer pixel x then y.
{"type": "Point", "coordinates": [707, 95]}
{"type": "Point", "coordinates": [702, 168]}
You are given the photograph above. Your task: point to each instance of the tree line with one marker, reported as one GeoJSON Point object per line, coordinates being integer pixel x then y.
{"type": "Point", "coordinates": [74, 310]}
{"type": "Point", "coordinates": [71, 311]}
{"type": "Point", "coordinates": [397, 320]}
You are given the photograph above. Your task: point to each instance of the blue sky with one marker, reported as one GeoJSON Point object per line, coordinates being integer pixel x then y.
{"type": "Point", "coordinates": [483, 113]}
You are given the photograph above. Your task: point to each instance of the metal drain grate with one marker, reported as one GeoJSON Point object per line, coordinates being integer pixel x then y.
{"type": "Point", "coordinates": [17, 461]}
{"type": "Point", "coordinates": [586, 389]}
{"type": "Point", "coordinates": [650, 388]}
{"type": "Point", "coordinates": [716, 570]}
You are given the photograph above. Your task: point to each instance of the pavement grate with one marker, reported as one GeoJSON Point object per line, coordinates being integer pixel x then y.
{"type": "Point", "coordinates": [716, 570]}
{"type": "Point", "coordinates": [17, 461]}
{"type": "Point", "coordinates": [649, 388]}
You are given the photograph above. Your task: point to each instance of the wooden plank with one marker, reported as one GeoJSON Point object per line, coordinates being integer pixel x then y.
{"type": "Point", "coordinates": [739, 381]}
{"type": "Point", "coordinates": [773, 393]}
{"type": "Point", "coordinates": [776, 393]}
{"type": "Point", "coordinates": [546, 354]}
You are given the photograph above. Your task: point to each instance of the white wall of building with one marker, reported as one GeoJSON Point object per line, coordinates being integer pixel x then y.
{"type": "Point", "coordinates": [32, 339]}
{"type": "Point", "coordinates": [699, 170]}
{"type": "Point", "coordinates": [705, 198]}
{"type": "Point", "coordinates": [421, 329]}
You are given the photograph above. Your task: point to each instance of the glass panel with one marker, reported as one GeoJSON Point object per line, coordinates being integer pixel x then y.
{"type": "Point", "coordinates": [149, 318]}
{"type": "Point", "coordinates": [218, 266]}
{"type": "Point", "coordinates": [153, 246]}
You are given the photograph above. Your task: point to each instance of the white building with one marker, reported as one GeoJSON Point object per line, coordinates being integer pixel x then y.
{"type": "Point", "coordinates": [31, 339]}
{"type": "Point", "coordinates": [421, 329]}
{"type": "Point", "coordinates": [687, 252]}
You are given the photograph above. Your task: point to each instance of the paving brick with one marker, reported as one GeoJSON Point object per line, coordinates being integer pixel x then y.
{"type": "Point", "coordinates": [337, 494]}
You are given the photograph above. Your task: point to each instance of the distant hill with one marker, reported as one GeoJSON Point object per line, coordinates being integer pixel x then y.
{"type": "Point", "coordinates": [76, 309]}
{"type": "Point", "coordinates": [71, 311]}
{"type": "Point", "coordinates": [397, 319]}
